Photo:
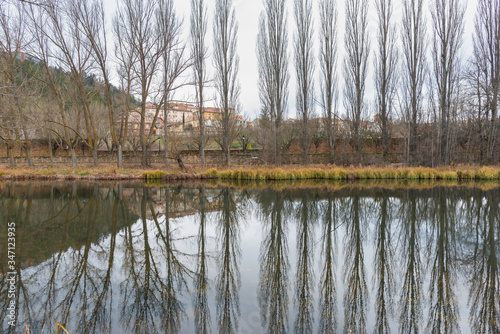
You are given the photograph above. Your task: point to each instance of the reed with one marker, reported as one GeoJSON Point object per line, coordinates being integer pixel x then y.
{"type": "Point", "coordinates": [154, 175]}
{"type": "Point", "coordinates": [285, 173]}
{"type": "Point", "coordinates": [487, 173]}
{"type": "Point", "coordinates": [335, 173]}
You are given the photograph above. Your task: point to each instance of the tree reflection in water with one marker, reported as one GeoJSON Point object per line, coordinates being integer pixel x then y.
{"type": "Point", "coordinates": [484, 295]}
{"type": "Point", "coordinates": [201, 308]}
{"type": "Point", "coordinates": [119, 258]}
{"type": "Point", "coordinates": [228, 281]}
{"type": "Point", "coordinates": [328, 291]}
{"type": "Point", "coordinates": [383, 272]}
{"type": "Point", "coordinates": [443, 310]}
{"type": "Point", "coordinates": [274, 263]}
{"type": "Point", "coordinates": [306, 216]}
{"type": "Point", "coordinates": [356, 291]}
{"type": "Point", "coordinates": [174, 282]}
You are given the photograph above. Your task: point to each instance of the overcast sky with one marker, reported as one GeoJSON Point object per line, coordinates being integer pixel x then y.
{"type": "Point", "coordinates": [247, 14]}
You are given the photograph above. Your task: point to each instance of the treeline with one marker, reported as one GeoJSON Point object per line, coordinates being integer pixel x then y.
{"type": "Point", "coordinates": [438, 101]}
{"type": "Point", "coordinates": [50, 49]}
{"type": "Point", "coordinates": [427, 92]}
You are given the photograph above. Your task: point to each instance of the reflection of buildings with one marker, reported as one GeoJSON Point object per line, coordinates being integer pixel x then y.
{"type": "Point", "coordinates": [184, 202]}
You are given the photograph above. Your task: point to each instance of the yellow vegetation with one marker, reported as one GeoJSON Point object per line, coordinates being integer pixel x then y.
{"type": "Point", "coordinates": [285, 173]}
{"type": "Point", "coordinates": [367, 173]}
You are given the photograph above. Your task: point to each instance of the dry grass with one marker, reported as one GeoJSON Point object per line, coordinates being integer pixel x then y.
{"type": "Point", "coordinates": [286, 173]}
{"type": "Point", "coordinates": [352, 173]}
{"type": "Point", "coordinates": [97, 173]}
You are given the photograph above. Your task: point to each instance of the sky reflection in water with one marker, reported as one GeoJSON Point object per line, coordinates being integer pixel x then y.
{"type": "Point", "coordinates": [125, 258]}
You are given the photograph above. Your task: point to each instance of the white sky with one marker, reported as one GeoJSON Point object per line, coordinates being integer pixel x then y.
{"type": "Point", "coordinates": [247, 14]}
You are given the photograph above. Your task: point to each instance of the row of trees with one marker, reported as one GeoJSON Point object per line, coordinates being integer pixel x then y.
{"type": "Point", "coordinates": [446, 92]}
{"type": "Point", "coordinates": [67, 93]}
{"type": "Point", "coordinates": [67, 43]}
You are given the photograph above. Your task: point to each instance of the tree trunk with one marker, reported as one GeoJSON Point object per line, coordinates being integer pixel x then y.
{"type": "Point", "coordinates": [144, 158]}
{"type": "Point", "coordinates": [28, 156]}
{"type": "Point", "coordinates": [28, 148]}
{"type": "Point", "coordinates": [443, 147]}
{"type": "Point", "coordinates": [181, 164]}
{"type": "Point", "coordinates": [331, 143]}
{"type": "Point", "coordinates": [10, 153]}
{"type": "Point", "coordinates": [277, 144]}
{"type": "Point", "coordinates": [305, 141]}
{"type": "Point", "coordinates": [119, 155]}
{"type": "Point", "coordinates": [413, 143]}
{"type": "Point", "coordinates": [202, 142]}
{"type": "Point", "coordinates": [165, 136]}
{"type": "Point", "coordinates": [493, 129]}
{"type": "Point", "coordinates": [385, 138]}
{"type": "Point", "coordinates": [50, 152]}
{"type": "Point", "coordinates": [94, 156]}
{"type": "Point", "coordinates": [73, 157]}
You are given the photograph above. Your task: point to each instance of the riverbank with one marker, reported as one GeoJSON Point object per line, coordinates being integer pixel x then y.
{"type": "Point", "coordinates": [284, 173]}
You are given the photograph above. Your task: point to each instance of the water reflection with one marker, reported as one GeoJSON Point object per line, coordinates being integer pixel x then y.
{"type": "Point", "coordinates": [228, 282]}
{"type": "Point", "coordinates": [383, 267]}
{"type": "Point", "coordinates": [410, 304]}
{"type": "Point", "coordinates": [443, 308]}
{"type": "Point", "coordinates": [274, 262]}
{"type": "Point", "coordinates": [307, 216]}
{"type": "Point", "coordinates": [484, 293]}
{"type": "Point", "coordinates": [328, 291]}
{"type": "Point", "coordinates": [201, 308]}
{"type": "Point", "coordinates": [127, 258]}
{"type": "Point", "coordinates": [356, 290]}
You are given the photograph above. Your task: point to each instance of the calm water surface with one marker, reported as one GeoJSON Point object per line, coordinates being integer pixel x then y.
{"type": "Point", "coordinates": [128, 258]}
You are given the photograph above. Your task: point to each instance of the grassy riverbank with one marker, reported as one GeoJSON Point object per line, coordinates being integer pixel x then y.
{"type": "Point", "coordinates": [286, 173]}
{"type": "Point", "coordinates": [366, 173]}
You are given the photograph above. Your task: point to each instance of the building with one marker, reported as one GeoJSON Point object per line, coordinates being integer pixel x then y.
{"type": "Point", "coordinates": [180, 112]}
{"type": "Point", "coordinates": [134, 121]}
{"type": "Point", "coordinates": [180, 116]}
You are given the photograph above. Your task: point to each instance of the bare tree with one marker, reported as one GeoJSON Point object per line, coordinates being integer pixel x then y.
{"type": "Point", "coordinates": [42, 49]}
{"type": "Point", "coordinates": [64, 33]}
{"type": "Point", "coordinates": [227, 132]}
{"type": "Point", "coordinates": [385, 68]}
{"type": "Point", "coordinates": [487, 53]}
{"type": "Point", "coordinates": [135, 23]}
{"type": "Point", "coordinates": [328, 68]}
{"type": "Point", "coordinates": [304, 69]}
{"type": "Point", "coordinates": [92, 25]}
{"type": "Point", "coordinates": [413, 38]}
{"type": "Point", "coordinates": [12, 41]}
{"type": "Point", "coordinates": [357, 46]}
{"type": "Point", "coordinates": [226, 61]}
{"type": "Point", "coordinates": [174, 61]}
{"type": "Point", "coordinates": [448, 27]}
{"type": "Point", "coordinates": [476, 97]}
{"type": "Point", "coordinates": [272, 54]}
{"type": "Point", "coordinates": [199, 55]}
{"type": "Point", "coordinates": [125, 58]}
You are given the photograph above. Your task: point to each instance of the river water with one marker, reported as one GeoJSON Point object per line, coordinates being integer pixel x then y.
{"type": "Point", "coordinates": [253, 258]}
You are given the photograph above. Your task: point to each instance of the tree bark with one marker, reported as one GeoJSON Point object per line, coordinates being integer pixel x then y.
{"type": "Point", "coordinates": [119, 155]}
